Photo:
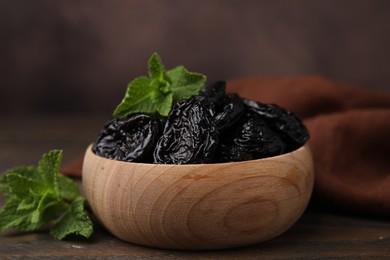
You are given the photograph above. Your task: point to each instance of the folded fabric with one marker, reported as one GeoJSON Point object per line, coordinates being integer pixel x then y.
{"type": "Point", "coordinates": [350, 137]}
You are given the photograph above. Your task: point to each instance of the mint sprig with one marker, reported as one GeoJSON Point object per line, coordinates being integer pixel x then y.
{"type": "Point", "coordinates": [37, 195]}
{"type": "Point", "coordinates": [160, 91]}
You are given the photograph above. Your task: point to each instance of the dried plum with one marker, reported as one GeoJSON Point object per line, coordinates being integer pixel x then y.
{"type": "Point", "coordinates": [130, 139]}
{"type": "Point", "coordinates": [286, 123]}
{"type": "Point", "coordinates": [229, 110]}
{"type": "Point", "coordinates": [189, 134]}
{"type": "Point", "coordinates": [250, 138]}
{"type": "Point", "coordinates": [208, 128]}
{"type": "Point", "coordinates": [214, 91]}
{"type": "Point", "coordinates": [228, 107]}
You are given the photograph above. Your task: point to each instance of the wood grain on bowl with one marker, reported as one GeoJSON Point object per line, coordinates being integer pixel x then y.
{"type": "Point", "coordinates": [203, 206]}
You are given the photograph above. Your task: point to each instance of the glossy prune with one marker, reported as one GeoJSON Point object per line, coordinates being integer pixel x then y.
{"type": "Point", "coordinates": [189, 134]}
{"type": "Point", "coordinates": [214, 91]}
{"type": "Point", "coordinates": [208, 128]}
{"type": "Point", "coordinates": [130, 139]}
{"type": "Point", "coordinates": [287, 124]}
{"type": "Point", "coordinates": [229, 109]}
{"type": "Point", "coordinates": [250, 138]}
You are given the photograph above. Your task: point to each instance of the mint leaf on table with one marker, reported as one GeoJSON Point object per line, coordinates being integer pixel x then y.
{"type": "Point", "coordinates": [73, 221]}
{"type": "Point", "coordinates": [37, 195]}
{"type": "Point", "coordinates": [160, 91]}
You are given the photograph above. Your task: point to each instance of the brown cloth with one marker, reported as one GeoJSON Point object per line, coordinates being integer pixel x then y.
{"type": "Point", "coordinates": [350, 137]}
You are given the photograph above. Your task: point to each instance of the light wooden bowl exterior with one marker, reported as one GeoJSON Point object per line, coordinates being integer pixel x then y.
{"type": "Point", "coordinates": [204, 206]}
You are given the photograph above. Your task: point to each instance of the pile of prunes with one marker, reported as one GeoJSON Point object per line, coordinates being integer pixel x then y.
{"type": "Point", "coordinates": [212, 127]}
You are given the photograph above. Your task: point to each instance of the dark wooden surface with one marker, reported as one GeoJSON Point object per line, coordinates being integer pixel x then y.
{"type": "Point", "coordinates": [317, 235]}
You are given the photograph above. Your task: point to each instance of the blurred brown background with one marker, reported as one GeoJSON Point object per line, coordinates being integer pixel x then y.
{"type": "Point", "coordinates": [78, 56]}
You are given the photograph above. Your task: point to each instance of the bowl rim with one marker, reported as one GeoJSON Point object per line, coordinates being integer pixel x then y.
{"type": "Point", "coordinates": [280, 156]}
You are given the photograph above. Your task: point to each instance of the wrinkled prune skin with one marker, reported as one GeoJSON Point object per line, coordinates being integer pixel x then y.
{"type": "Point", "coordinates": [212, 127]}
{"type": "Point", "coordinates": [214, 91]}
{"type": "Point", "coordinates": [129, 139]}
{"type": "Point", "coordinates": [190, 135]}
{"type": "Point", "coordinates": [229, 109]}
{"type": "Point", "coordinates": [287, 124]}
{"type": "Point", "coordinates": [250, 138]}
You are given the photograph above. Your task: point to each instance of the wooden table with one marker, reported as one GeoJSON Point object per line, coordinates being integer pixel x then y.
{"type": "Point", "coordinates": [317, 235]}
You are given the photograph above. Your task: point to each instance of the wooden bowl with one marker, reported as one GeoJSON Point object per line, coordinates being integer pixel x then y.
{"type": "Point", "coordinates": [200, 206]}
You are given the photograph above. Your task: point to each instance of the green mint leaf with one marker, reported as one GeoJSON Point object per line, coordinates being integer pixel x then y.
{"type": "Point", "coordinates": [156, 67]}
{"type": "Point", "coordinates": [48, 167]}
{"type": "Point", "coordinates": [166, 105]}
{"type": "Point", "coordinates": [68, 189]}
{"type": "Point", "coordinates": [73, 221]}
{"type": "Point", "coordinates": [138, 98]}
{"type": "Point", "coordinates": [27, 203]}
{"type": "Point", "coordinates": [32, 198]}
{"type": "Point", "coordinates": [48, 206]}
{"type": "Point", "coordinates": [38, 195]}
{"type": "Point", "coordinates": [159, 92]}
{"type": "Point", "coordinates": [4, 185]}
{"type": "Point", "coordinates": [19, 182]}
{"type": "Point", "coordinates": [185, 84]}
{"type": "Point", "coordinates": [12, 217]}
